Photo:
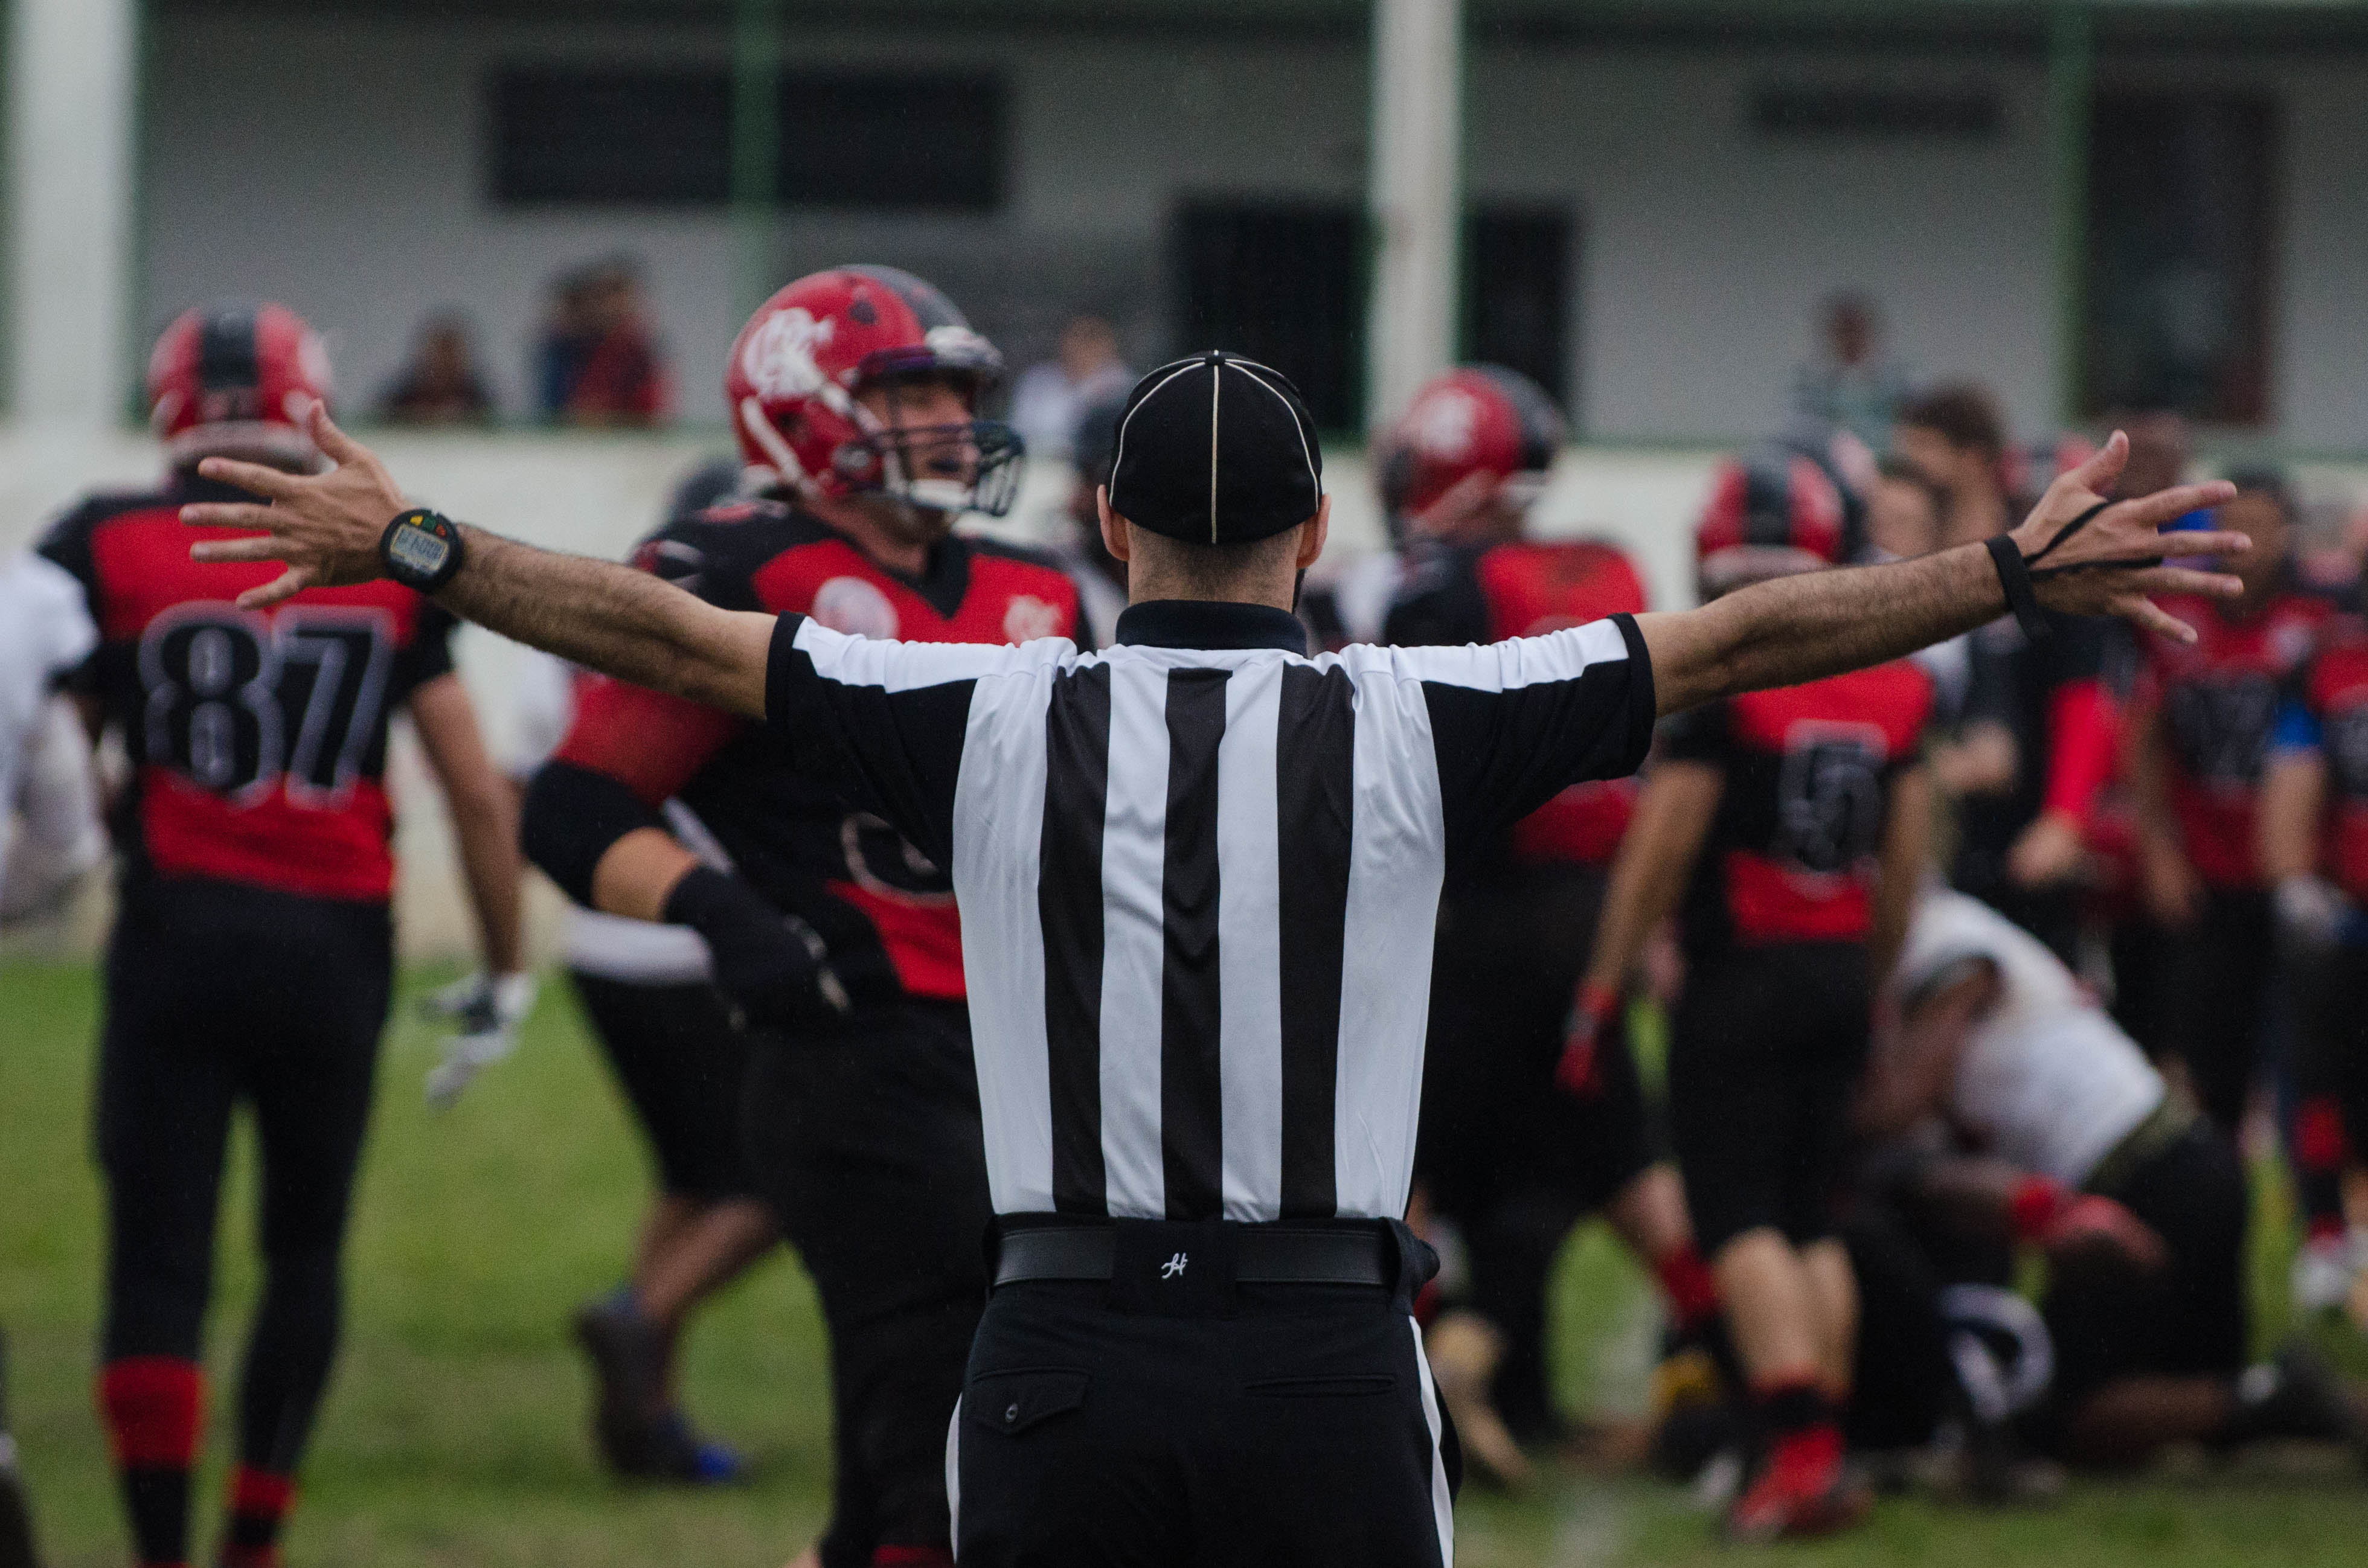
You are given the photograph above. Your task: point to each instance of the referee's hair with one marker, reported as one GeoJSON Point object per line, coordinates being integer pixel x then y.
{"type": "Point", "coordinates": [1212, 571]}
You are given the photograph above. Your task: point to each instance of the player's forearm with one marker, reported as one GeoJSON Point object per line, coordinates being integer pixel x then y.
{"type": "Point", "coordinates": [2293, 796]}
{"type": "Point", "coordinates": [1650, 870]}
{"type": "Point", "coordinates": [1818, 624]}
{"type": "Point", "coordinates": [489, 860]}
{"type": "Point", "coordinates": [612, 619]}
{"type": "Point", "coordinates": [1907, 844]}
{"type": "Point", "coordinates": [637, 874]}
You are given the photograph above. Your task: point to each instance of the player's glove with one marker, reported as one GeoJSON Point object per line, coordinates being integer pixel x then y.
{"type": "Point", "coordinates": [2060, 1221]}
{"type": "Point", "coordinates": [485, 1011]}
{"type": "Point", "coordinates": [2311, 909]}
{"type": "Point", "coordinates": [772, 968]}
{"type": "Point", "coordinates": [1589, 1012]}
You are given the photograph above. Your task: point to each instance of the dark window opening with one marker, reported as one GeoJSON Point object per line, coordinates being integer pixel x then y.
{"type": "Point", "coordinates": [1971, 115]}
{"type": "Point", "coordinates": [1516, 293]}
{"type": "Point", "coordinates": [652, 137]}
{"type": "Point", "coordinates": [1283, 284]}
{"type": "Point", "coordinates": [2181, 218]}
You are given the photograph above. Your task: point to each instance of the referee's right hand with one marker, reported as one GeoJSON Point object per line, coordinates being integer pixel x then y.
{"type": "Point", "coordinates": [772, 967]}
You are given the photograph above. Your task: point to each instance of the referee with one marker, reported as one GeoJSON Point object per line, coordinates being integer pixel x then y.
{"type": "Point", "coordinates": [1199, 875]}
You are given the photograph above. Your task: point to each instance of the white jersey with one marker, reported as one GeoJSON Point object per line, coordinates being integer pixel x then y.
{"type": "Point", "coordinates": [2048, 1080]}
{"type": "Point", "coordinates": [45, 630]}
{"type": "Point", "coordinates": [638, 953]}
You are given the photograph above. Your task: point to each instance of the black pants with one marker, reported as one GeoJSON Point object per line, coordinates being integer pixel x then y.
{"type": "Point", "coordinates": [684, 1068]}
{"type": "Point", "coordinates": [867, 1146]}
{"type": "Point", "coordinates": [218, 994]}
{"type": "Point", "coordinates": [2112, 1320]}
{"type": "Point", "coordinates": [1301, 1430]}
{"type": "Point", "coordinates": [2330, 1077]}
{"type": "Point", "coordinates": [1514, 1160]}
{"type": "Point", "coordinates": [1765, 1053]}
{"type": "Point", "coordinates": [2216, 991]}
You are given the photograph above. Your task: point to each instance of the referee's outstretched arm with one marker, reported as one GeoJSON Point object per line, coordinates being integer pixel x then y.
{"type": "Point", "coordinates": [2099, 559]}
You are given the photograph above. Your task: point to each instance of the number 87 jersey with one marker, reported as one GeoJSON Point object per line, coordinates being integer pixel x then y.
{"type": "Point", "coordinates": [257, 737]}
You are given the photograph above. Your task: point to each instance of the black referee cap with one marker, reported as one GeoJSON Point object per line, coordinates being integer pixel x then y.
{"type": "Point", "coordinates": [1217, 449]}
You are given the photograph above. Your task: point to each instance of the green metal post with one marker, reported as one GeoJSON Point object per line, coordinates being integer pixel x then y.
{"type": "Point", "coordinates": [755, 147]}
{"type": "Point", "coordinates": [2071, 68]}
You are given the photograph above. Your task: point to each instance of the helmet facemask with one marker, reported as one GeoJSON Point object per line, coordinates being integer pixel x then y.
{"type": "Point", "coordinates": [967, 466]}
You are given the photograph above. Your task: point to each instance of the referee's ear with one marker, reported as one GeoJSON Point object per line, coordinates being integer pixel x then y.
{"type": "Point", "coordinates": [1314, 532]}
{"type": "Point", "coordinates": [1114, 531]}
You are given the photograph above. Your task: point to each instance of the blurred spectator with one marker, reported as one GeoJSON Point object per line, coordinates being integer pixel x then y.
{"type": "Point", "coordinates": [1903, 511]}
{"type": "Point", "coordinates": [440, 385]}
{"type": "Point", "coordinates": [1953, 437]}
{"type": "Point", "coordinates": [1050, 398]}
{"type": "Point", "coordinates": [599, 363]}
{"type": "Point", "coordinates": [1851, 382]}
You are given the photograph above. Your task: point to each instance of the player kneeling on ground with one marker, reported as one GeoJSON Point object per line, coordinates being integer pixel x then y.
{"type": "Point", "coordinates": [2139, 1201]}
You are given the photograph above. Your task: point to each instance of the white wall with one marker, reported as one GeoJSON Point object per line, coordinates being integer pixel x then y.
{"type": "Point", "coordinates": [336, 163]}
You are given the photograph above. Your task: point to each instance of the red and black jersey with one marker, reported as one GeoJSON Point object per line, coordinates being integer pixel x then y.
{"type": "Point", "coordinates": [2061, 700]}
{"type": "Point", "coordinates": [257, 738]}
{"type": "Point", "coordinates": [1521, 588]}
{"type": "Point", "coordinates": [2219, 698]}
{"type": "Point", "coordinates": [1792, 851]}
{"type": "Point", "coordinates": [2335, 695]}
{"type": "Point", "coordinates": [885, 908]}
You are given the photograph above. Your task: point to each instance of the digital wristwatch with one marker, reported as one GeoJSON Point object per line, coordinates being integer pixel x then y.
{"type": "Point", "coordinates": [421, 549]}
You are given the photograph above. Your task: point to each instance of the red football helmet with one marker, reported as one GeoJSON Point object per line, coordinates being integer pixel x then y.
{"type": "Point", "coordinates": [1481, 417]}
{"type": "Point", "coordinates": [1773, 512]}
{"type": "Point", "coordinates": [237, 379]}
{"type": "Point", "coordinates": [797, 366]}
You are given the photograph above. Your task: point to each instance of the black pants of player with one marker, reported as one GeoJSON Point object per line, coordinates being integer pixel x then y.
{"type": "Point", "coordinates": [867, 1146]}
{"type": "Point", "coordinates": [1765, 1053]}
{"type": "Point", "coordinates": [2330, 1077]}
{"type": "Point", "coordinates": [1511, 1158]}
{"type": "Point", "coordinates": [2111, 1319]}
{"type": "Point", "coordinates": [217, 994]}
{"type": "Point", "coordinates": [2216, 990]}
{"type": "Point", "coordinates": [683, 1068]}
{"type": "Point", "coordinates": [1301, 1429]}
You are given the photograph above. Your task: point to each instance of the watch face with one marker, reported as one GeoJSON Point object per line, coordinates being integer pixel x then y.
{"type": "Point", "coordinates": [418, 550]}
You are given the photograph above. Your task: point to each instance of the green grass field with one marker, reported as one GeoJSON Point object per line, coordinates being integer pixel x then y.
{"type": "Point", "coordinates": [454, 1435]}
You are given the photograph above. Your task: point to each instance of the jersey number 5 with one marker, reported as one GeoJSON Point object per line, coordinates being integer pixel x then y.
{"type": "Point", "coordinates": [239, 702]}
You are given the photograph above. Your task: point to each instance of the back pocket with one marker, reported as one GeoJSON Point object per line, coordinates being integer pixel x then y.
{"type": "Point", "coordinates": [1320, 1388]}
{"type": "Point", "coordinates": [1013, 1402]}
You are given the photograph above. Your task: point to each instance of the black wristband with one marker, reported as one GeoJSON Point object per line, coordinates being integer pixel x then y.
{"type": "Point", "coordinates": [421, 549]}
{"type": "Point", "coordinates": [2014, 576]}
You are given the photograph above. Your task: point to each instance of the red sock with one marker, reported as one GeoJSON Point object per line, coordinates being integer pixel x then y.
{"type": "Point", "coordinates": [1686, 1280]}
{"type": "Point", "coordinates": [1805, 1442]}
{"type": "Point", "coordinates": [154, 1406]}
{"type": "Point", "coordinates": [258, 1504]}
{"type": "Point", "coordinates": [912, 1557]}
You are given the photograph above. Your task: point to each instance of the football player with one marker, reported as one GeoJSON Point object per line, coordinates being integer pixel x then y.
{"type": "Point", "coordinates": [854, 393]}
{"type": "Point", "coordinates": [1518, 1144]}
{"type": "Point", "coordinates": [1793, 823]}
{"type": "Point", "coordinates": [253, 948]}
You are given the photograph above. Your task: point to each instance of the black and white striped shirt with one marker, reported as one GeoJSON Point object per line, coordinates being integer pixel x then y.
{"type": "Point", "coordinates": [1199, 874]}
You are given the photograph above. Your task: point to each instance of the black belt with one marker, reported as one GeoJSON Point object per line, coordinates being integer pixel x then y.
{"type": "Point", "coordinates": [1348, 1253]}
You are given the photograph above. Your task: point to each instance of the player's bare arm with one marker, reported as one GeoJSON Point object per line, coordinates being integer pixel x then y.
{"type": "Point", "coordinates": [1802, 629]}
{"type": "Point", "coordinates": [1673, 814]}
{"type": "Point", "coordinates": [600, 615]}
{"type": "Point", "coordinates": [484, 815]}
{"type": "Point", "coordinates": [1906, 846]}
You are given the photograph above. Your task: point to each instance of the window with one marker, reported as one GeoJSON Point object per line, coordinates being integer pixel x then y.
{"type": "Point", "coordinates": [1283, 284]}
{"type": "Point", "coordinates": [2181, 225]}
{"type": "Point", "coordinates": [1516, 293]}
{"type": "Point", "coordinates": [1875, 113]}
{"type": "Point", "coordinates": [654, 136]}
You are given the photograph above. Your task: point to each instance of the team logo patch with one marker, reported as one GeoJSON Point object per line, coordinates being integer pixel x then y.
{"type": "Point", "coordinates": [1443, 424]}
{"type": "Point", "coordinates": [780, 359]}
{"type": "Point", "coordinates": [1030, 617]}
{"type": "Point", "coordinates": [854, 606]}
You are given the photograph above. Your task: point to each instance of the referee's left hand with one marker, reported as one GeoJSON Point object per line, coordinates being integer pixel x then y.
{"type": "Point", "coordinates": [2114, 565]}
{"type": "Point", "coordinates": [325, 525]}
